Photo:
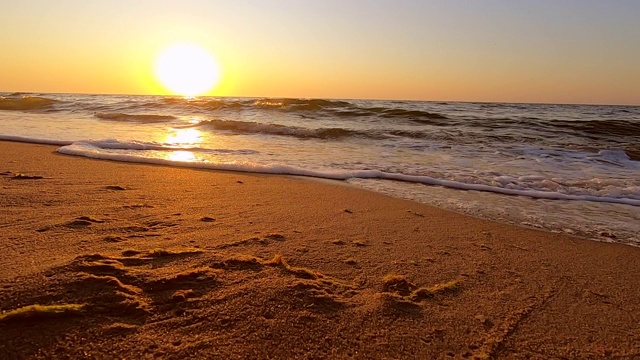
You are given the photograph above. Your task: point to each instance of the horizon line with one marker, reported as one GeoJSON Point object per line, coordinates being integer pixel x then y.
{"type": "Point", "coordinates": [329, 98]}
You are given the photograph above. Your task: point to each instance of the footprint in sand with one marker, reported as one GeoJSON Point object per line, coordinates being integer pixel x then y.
{"type": "Point", "coordinates": [397, 289]}
{"type": "Point", "coordinates": [83, 221]}
{"type": "Point", "coordinates": [77, 223]}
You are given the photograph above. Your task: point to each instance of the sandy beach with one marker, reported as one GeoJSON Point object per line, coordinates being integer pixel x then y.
{"type": "Point", "coordinates": [115, 260]}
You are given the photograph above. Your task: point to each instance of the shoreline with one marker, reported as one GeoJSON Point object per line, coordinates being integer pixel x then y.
{"type": "Point", "coordinates": [598, 235]}
{"type": "Point", "coordinates": [178, 262]}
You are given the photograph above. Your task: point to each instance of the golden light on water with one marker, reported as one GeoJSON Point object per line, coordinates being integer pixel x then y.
{"type": "Point", "coordinates": [184, 137]}
{"type": "Point", "coordinates": [187, 69]}
{"type": "Point", "coordinates": [181, 155]}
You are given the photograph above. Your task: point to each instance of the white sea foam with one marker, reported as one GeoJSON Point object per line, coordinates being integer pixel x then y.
{"type": "Point", "coordinates": [33, 140]}
{"type": "Point", "coordinates": [99, 149]}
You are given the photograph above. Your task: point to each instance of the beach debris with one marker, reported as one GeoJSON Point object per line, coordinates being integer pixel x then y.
{"type": "Point", "coordinates": [360, 243]}
{"type": "Point", "coordinates": [337, 242]}
{"type": "Point", "coordinates": [348, 211]}
{"type": "Point", "coordinates": [114, 187]}
{"type": "Point", "coordinates": [207, 219]}
{"type": "Point", "coordinates": [240, 182]}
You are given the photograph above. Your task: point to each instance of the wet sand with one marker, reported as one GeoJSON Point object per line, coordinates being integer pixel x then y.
{"type": "Point", "coordinates": [141, 261]}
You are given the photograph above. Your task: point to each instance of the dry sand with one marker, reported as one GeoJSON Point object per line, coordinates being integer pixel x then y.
{"type": "Point", "coordinates": [156, 262]}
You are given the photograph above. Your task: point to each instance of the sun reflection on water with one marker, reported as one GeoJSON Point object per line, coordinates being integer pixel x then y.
{"type": "Point", "coordinates": [184, 137]}
{"type": "Point", "coordinates": [181, 155]}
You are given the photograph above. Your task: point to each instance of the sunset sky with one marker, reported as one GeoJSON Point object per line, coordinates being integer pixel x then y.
{"type": "Point", "coordinates": [579, 51]}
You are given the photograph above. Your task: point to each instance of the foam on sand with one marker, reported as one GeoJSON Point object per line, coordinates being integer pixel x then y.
{"type": "Point", "coordinates": [96, 150]}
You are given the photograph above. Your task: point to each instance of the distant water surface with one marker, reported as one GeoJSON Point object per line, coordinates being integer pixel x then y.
{"type": "Point", "coordinates": [564, 168]}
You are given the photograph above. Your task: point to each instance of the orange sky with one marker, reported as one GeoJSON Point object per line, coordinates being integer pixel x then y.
{"type": "Point", "coordinates": [525, 51]}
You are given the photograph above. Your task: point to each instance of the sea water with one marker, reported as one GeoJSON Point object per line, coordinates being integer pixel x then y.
{"type": "Point", "coordinates": [563, 168]}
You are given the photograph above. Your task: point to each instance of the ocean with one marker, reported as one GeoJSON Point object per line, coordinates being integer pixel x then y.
{"type": "Point", "coordinates": [564, 168]}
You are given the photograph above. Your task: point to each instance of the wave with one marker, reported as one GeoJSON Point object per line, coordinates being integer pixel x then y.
{"type": "Point", "coordinates": [97, 150]}
{"type": "Point", "coordinates": [33, 140]}
{"type": "Point", "coordinates": [134, 117]}
{"type": "Point", "coordinates": [113, 144]}
{"type": "Point", "coordinates": [602, 127]}
{"type": "Point", "coordinates": [633, 152]}
{"type": "Point", "coordinates": [431, 135]}
{"type": "Point", "coordinates": [300, 104]}
{"type": "Point", "coordinates": [205, 103]}
{"type": "Point", "coordinates": [25, 103]}
{"type": "Point", "coordinates": [320, 107]}
{"type": "Point", "coordinates": [144, 152]}
{"type": "Point", "coordinates": [246, 127]}
{"type": "Point", "coordinates": [345, 108]}
{"type": "Point", "coordinates": [409, 114]}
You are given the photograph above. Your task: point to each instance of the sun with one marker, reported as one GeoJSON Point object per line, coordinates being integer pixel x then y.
{"type": "Point", "coordinates": [187, 69]}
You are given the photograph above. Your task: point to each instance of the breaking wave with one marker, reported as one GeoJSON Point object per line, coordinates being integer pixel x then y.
{"type": "Point", "coordinates": [249, 128]}
{"type": "Point", "coordinates": [300, 104]}
{"type": "Point", "coordinates": [317, 107]}
{"type": "Point", "coordinates": [246, 127]}
{"type": "Point", "coordinates": [601, 127]}
{"type": "Point", "coordinates": [134, 117]}
{"type": "Point", "coordinates": [25, 103]}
